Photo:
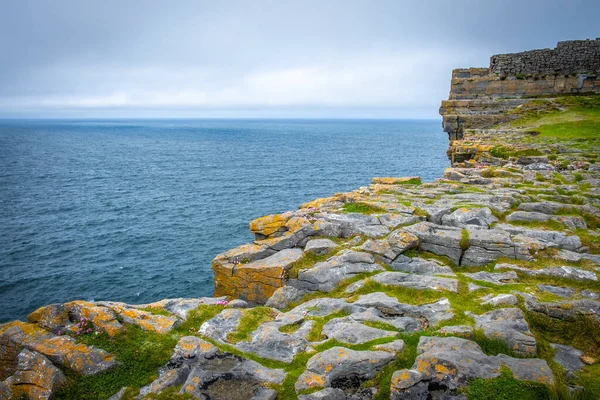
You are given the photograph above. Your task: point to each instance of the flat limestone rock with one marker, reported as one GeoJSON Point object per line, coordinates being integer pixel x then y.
{"type": "Point", "coordinates": [509, 326]}
{"type": "Point", "coordinates": [420, 266]}
{"type": "Point", "coordinates": [565, 310]}
{"type": "Point", "coordinates": [267, 341]}
{"type": "Point", "coordinates": [440, 240]}
{"type": "Point", "coordinates": [218, 327]}
{"type": "Point", "coordinates": [397, 346]}
{"type": "Point", "coordinates": [391, 307]}
{"type": "Point", "coordinates": [325, 276]}
{"type": "Point", "coordinates": [566, 272]}
{"type": "Point", "coordinates": [347, 330]}
{"type": "Point", "coordinates": [352, 224]}
{"type": "Point", "coordinates": [319, 246]}
{"type": "Point", "coordinates": [498, 278]}
{"type": "Point", "coordinates": [551, 238]}
{"type": "Point", "coordinates": [181, 307]}
{"type": "Point", "coordinates": [61, 350]}
{"type": "Point", "coordinates": [414, 281]}
{"type": "Point", "coordinates": [557, 290]}
{"type": "Point", "coordinates": [447, 363]}
{"type": "Point", "coordinates": [510, 299]}
{"type": "Point", "coordinates": [342, 367]}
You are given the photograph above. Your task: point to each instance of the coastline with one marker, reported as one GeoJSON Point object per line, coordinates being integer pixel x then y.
{"type": "Point", "coordinates": [486, 278]}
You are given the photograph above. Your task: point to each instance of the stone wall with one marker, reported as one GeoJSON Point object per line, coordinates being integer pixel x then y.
{"type": "Point", "coordinates": [570, 57]}
{"type": "Point", "coordinates": [481, 98]}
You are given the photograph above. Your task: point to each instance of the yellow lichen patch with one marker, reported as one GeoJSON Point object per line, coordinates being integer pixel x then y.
{"type": "Point", "coordinates": [443, 370]}
{"type": "Point", "coordinates": [269, 224]}
{"type": "Point", "coordinates": [313, 380]}
{"type": "Point", "coordinates": [423, 366]}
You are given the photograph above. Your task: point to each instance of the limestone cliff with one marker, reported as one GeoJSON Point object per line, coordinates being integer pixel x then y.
{"type": "Point", "coordinates": [482, 98]}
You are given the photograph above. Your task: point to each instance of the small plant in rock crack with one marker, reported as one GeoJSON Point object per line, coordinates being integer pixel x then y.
{"type": "Point", "coordinates": [84, 326]}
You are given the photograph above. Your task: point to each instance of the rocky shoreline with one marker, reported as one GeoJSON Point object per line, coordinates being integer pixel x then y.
{"type": "Point", "coordinates": [399, 290]}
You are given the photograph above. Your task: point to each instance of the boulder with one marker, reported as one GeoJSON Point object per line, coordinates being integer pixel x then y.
{"type": "Point", "coordinates": [283, 296]}
{"type": "Point", "coordinates": [255, 281]}
{"type": "Point", "coordinates": [218, 327]}
{"type": "Point", "coordinates": [342, 368]}
{"type": "Point", "coordinates": [569, 358]}
{"type": "Point", "coordinates": [64, 317]}
{"type": "Point", "coordinates": [36, 377]}
{"type": "Point", "coordinates": [463, 217]}
{"type": "Point", "coordinates": [319, 247]}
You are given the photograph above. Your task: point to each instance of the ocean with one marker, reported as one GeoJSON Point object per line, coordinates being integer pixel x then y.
{"type": "Point", "coordinates": [135, 210]}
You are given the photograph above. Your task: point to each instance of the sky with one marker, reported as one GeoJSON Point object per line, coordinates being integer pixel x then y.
{"type": "Point", "coordinates": [261, 59]}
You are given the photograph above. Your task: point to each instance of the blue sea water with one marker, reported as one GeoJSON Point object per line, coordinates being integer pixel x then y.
{"type": "Point", "coordinates": [135, 210]}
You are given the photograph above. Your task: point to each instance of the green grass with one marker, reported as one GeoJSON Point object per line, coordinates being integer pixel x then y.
{"type": "Point", "coordinates": [464, 241]}
{"type": "Point", "coordinates": [506, 387]}
{"type": "Point", "coordinates": [362, 208]}
{"type": "Point", "coordinates": [139, 353]}
{"type": "Point", "coordinates": [251, 319]}
{"type": "Point", "coordinates": [565, 117]}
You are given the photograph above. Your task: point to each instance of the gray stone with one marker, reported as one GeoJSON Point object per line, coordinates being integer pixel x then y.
{"type": "Point", "coordinates": [267, 341]}
{"type": "Point", "coordinates": [218, 327]}
{"type": "Point", "coordinates": [404, 324]}
{"type": "Point", "coordinates": [471, 287]}
{"type": "Point", "coordinates": [565, 272]}
{"type": "Point", "coordinates": [495, 278]}
{"type": "Point", "coordinates": [397, 346]}
{"type": "Point", "coordinates": [181, 307]}
{"type": "Point", "coordinates": [551, 238]}
{"type": "Point", "coordinates": [420, 266]}
{"type": "Point", "coordinates": [433, 313]}
{"type": "Point", "coordinates": [539, 167]}
{"type": "Point", "coordinates": [325, 394]}
{"type": "Point", "coordinates": [119, 395]}
{"type": "Point", "coordinates": [340, 367]}
{"type": "Point", "coordinates": [524, 216]}
{"type": "Point", "coordinates": [352, 224]}
{"type": "Point", "coordinates": [238, 303]}
{"type": "Point", "coordinates": [319, 246]}
{"type": "Point", "coordinates": [568, 357]}
{"type": "Point", "coordinates": [441, 240]}
{"type": "Point", "coordinates": [414, 281]}
{"type": "Point", "coordinates": [393, 221]}
{"type": "Point", "coordinates": [509, 326]}
{"type": "Point", "coordinates": [353, 287]}
{"type": "Point", "coordinates": [461, 330]}
{"type": "Point", "coordinates": [590, 294]}
{"type": "Point", "coordinates": [487, 245]}
{"type": "Point", "coordinates": [347, 330]}
{"type": "Point", "coordinates": [463, 217]}
{"type": "Point", "coordinates": [325, 276]}
{"type": "Point", "coordinates": [500, 299]}
{"type": "Point", "coordinates": [557, 290]}
{"type": "Point", "coordinates": [284, 296]}
{"type": "Point", "coordinates": [565, 310]}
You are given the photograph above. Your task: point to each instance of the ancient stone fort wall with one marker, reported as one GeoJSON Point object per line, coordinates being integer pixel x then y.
{"type": "Point", "coordinates": [571, 57]}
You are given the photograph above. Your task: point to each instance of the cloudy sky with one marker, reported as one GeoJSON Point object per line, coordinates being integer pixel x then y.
{"type": "Point", "coordinates": [322, 58]}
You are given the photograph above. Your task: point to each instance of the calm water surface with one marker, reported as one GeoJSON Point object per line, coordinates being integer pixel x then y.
{"type": "Point", "coordinates": [135, 210]}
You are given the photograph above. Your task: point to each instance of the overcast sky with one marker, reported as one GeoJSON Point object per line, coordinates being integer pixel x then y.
{"type": "Point", "coordinates": [250, 58]}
